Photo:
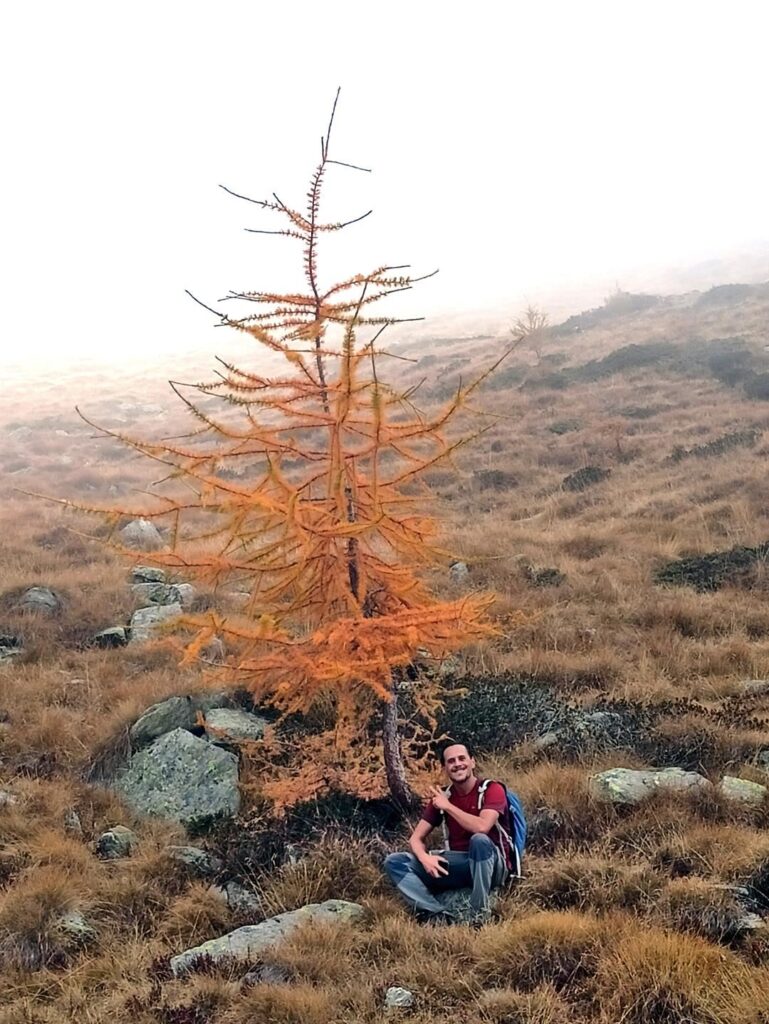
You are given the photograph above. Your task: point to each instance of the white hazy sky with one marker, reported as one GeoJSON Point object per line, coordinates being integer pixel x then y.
{"type": "Point", "coordinates": [514, 145]}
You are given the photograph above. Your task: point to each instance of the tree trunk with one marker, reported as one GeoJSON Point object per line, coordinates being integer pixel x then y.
{"type": "Point", "coordinates": [400, 790]}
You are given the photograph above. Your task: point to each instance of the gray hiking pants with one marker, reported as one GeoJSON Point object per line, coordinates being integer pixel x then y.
{"type": "Point", "coordinates": [480, 869]}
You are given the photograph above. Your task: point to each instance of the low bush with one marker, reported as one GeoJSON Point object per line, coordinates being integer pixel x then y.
{"type": "Point", "coordinates": [715, 569]}
{"type": "Point", "coordinates": [585, 477]}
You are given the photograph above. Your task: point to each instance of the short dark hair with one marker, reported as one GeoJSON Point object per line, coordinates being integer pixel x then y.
{"type": "Point", "coordinates": [452, 743]}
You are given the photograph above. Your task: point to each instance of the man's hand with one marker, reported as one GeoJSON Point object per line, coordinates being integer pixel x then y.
{"type": "Point", "coordinates": [439, 799]}
{"type": "Point", "coordinates": [434, 865]}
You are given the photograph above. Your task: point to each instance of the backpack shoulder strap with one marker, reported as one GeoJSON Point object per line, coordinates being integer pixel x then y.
{"type": "Point", "coordinates": [482, 792]}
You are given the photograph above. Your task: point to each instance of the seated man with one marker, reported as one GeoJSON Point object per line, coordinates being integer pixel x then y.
{"type": "Point", "coordinates": [476, 857]}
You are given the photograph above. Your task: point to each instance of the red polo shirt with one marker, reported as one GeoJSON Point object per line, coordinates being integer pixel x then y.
{"type": "Point", "coordinates": [459, 838]}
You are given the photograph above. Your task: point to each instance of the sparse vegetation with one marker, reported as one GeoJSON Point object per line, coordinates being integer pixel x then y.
{"type": "Point", "coordinates": [626, 913]}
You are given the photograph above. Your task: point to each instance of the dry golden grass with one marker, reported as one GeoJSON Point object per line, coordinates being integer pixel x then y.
{"type": "Point", "coordinates": [619, 918]}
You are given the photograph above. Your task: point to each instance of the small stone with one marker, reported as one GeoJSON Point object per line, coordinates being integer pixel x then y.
{"type": "Point", "coordinates": [147, 574]}
{"type": "Point", "coordinates": [142, 535]}
{"type": "Point", "coordinates": [231, 724]}
{"type": "Point", "coordinates": [75, 929]}
{"type": "Point", "coordinates": [108, 639]}
{"type": "Point", "coordinates": [459, 572]}
{"type": "Point", "coordinates": [742, 789]}
{"type": "Point", "coordinates": [72, 823]}
{"type": "Point", "coordinates": [755, 687]}
{"type": "Point", "coordinates": [146, 622]}
{"type": "Point", "coordinates": [200, 862]}
{"type": "Point", "coordinates": [7, 799]}
{"type": "Point", "coordinates": [397, 998]}
{"type": "Point", "coordinates": [548, 739]}
{"type": "Point", "coordinates": [267, 974]}
{"type": "Point", "coordinates": [214, 653]}
{"type": "Point", "coordinates": [116, 842]}
{"type": "Point", "coordinates": [240, 900]}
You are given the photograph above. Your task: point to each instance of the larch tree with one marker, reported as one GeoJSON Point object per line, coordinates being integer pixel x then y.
{"type": "Point", "coordinates": [302, 492]}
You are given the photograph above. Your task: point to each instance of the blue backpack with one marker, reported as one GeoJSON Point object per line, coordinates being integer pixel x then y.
{"type": "Point", "coordinates": [514, 836]}
{"type": "Point", "coordinates": [512, 832]}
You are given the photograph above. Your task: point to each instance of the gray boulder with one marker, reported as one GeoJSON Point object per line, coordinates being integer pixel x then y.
{"type": "Point", "coordinates": [161, 718]}
{"type": "Point", "coordinates": [232, 725]}
{"type": "Point", "coordinates": [142, 535]}
{"type": "Point", "coordinates": [116, 842]}
{"type": "Point", "coordinates": [147, 574]}
{"type": "Point", "coordinates": [250, 941]}
{"type": "Point", "coordinates": [629, 786]}
{"type": "Point", "coordinates": [181, 778]}
{"type": "Point", "coordinates": [147, 594]}
{"type": "Point", "coordinates": [40, 600]}
{"type": "Point", "coordinates": [743, 790]}
{"type": "Point", "coordinates": [145, 622]}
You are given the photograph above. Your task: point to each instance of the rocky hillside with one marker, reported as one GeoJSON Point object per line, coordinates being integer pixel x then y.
{"type": "Point", "coordinates": [617, 504]}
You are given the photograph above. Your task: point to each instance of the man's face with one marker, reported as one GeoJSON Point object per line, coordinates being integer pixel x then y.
{"type": "Point", "coordinates": [457, 763]}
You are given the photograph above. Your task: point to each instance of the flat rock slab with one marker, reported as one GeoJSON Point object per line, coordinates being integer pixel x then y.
{"type": "Point", "coordinates": [146, 622]}
{"type": "Point", "coordinates": [163, 717]}
{"type": "Point", "coordinates": [247, 942]}
{"type": "Point", "coordinates": [181, 778]}
{"type": "Point", "coordinates": [147, 574]}
{"type": "Point", "coordinates": [631, 786]}
{"type": "Point", "coordinates": [223, 724]}
{"type": "Point", "coordinates": [742, 789]}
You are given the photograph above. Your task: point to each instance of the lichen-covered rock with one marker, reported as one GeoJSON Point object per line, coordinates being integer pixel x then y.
{"type": "Point", "coordinates": [182, 778]}
{"type": "Point", "coordinates": [233, 724]}
{"type": "Point", "coordinates": [147, 574]}
{"type": "Point", "coordinates": [248, 942]}
{"type": "Point", "coordinates": [147, 594]}
{"type": "Point", "coordinates": [116, 842]}
{"type": "Point", "coordinates": [142, 535]}
{"type": "Point", "coordinates": [742, 789]}
{"type": "Point", "coordinates": [41, 600]}
{"type": "Point", "coordinates": [146, 622]}
{"type": "Point", "coordinates": [165, 716]}
{"type": "Point", "coordinates": [75, 930]}
{"type": "Point", "coordinates": [397, 998]}
{"type": "Point", "coordinates": [631, 786]}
